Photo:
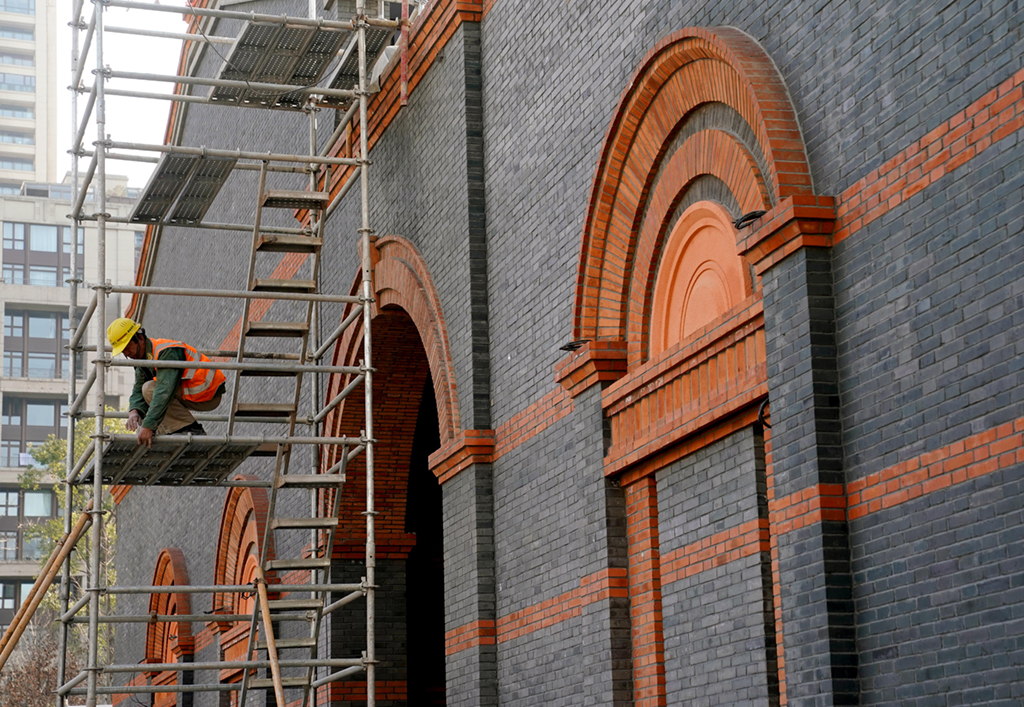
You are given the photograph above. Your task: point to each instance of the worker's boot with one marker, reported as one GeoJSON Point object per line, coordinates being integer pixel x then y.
{"type": "Point", "coordinates": [194, 429]}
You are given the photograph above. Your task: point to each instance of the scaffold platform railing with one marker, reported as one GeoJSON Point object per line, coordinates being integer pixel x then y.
{"type": "Point", "coordinates": [285, 63]}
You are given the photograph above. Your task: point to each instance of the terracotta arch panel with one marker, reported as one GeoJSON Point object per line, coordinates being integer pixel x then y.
{"type": "Point", "coordinates": [689, 68]}
{"type": "Point", "coordinates": [700, 277]}
{"type": "Point", "coordinates": [703, 153]}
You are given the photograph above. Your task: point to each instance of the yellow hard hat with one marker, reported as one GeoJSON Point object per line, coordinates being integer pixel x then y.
{"type": "Point", "coordinates": [120, 332]}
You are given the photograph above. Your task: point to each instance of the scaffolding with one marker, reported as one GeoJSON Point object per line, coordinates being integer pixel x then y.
{"type": "Point", "coordinates": [275, 63]}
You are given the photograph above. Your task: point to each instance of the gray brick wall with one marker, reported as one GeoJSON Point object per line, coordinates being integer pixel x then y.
{"type": "Point", "coordinates": [719, 631]}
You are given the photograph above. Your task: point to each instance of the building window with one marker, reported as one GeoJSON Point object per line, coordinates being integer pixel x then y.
{"type": "Point", "coordinates": [14, 138]}
{"type": "Point", "coordinates": [7, 595]}
{"type": "Point", "coordinates": [9, 545]}
{"type": "Point", "coordinates": [14, 236]}
{"type": "Point", "coordinates": [14, 325]}
{"type": "Point", "coordinates": [15, 59]}
{"type": "Point", "coordinates": [42, 325]}
{"type": "Point", "coordinates": [12, 412]}
{"type": "Point", "coordinates": [22, 7]}
{"type": "Point", "coordinates": [9, 503]}
{"type": "Point", "coordinates": [14, 361]}
{"type": "Point", "coordinates": [15, 163]}
{"type": "Point", "coordinates": [39, 415]}
{"type": "Point", "coordinates": [39, 254]}
{"type": "Point", "coordinates": [42, 275]}
{"type": "Point", "coordinates": [11, 32]}
{"type": "Point", "coordinates": [66, 232]}
{"type": "Point", "coordinates": [36, 339]}
{"type": "Point", "coordinates": [42, 365]}
{"type": "Point", "coordinates": [32, 548]}
{"type": "Point", "coordinates": [17, 82]}
{"type": "Point", "coordinates": [43, 239]}
{"type": "Point", "coordinates": [10, 453]}
{"type": "Point", "coordinates": [38, 504]}
{"type": "Point", "coordinates": [8, 110]}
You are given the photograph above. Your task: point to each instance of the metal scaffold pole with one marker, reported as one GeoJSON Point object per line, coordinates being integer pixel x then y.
{"type": "Point", "coordinates": [69, 459]}
{"type": "Point", "coordinates": [367, 287]}
{"type": "Point", "coordinates": [96, 551]}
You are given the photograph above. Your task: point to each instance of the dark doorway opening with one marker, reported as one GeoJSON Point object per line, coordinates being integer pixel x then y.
{"type": "Point", "coordinates": [425, 567]}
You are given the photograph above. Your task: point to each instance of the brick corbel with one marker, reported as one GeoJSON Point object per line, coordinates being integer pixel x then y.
{"type": "Point", "coordinates": [594, 362]}
{"type": "Point", "coordinates": [470, 447]}
{"type": "Point", "coordinates": [796, 222]}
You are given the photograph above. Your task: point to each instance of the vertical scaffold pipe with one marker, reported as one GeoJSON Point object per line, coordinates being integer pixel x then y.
{"type": "Point", "coordinates": [96, 580]}
{"type": "Point", "coordinates": [69, 459]}
{"type": "Point", "coordinates": [364, 182]}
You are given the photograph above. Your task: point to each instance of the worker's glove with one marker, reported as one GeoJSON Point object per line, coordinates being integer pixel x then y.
{"type": "Point", "coordinates": [134, 420]}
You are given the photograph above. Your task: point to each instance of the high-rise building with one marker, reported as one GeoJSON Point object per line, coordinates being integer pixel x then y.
{"type": "Point", "coordinates": [36, 264]}
{"type": "Point", "coordinates": [28, 79]}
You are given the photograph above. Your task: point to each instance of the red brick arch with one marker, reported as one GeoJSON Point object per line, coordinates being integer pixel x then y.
{"type": "Point", "coordinates": [690, 68]}
{"type": "Point", "coordinates": [709, 152]}
{"type": "Point", "coordinates": [402, 279]}
{"type": "Point", "coordinates": [167, 640]}
{"type": "Point", "coordinates": [242, 528]}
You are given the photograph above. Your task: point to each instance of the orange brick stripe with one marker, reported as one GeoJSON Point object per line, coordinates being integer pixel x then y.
{"type": "Point", "coordinates": [530, 422]}
{"type": "Point", "coordinates": [478, 633]}
{"type": "Point", "coordinates": [601, 585]}
{"type": "Point", "coordinates": [962, 461]}
{"type": "Point", "coordinates": [994, 116]}
{"type": "Point", "coordinates": [975, 456]}
{"type": "Point", "coordinates": [812, 505]}
{"type": "Point", "coordinates": [714, 551]}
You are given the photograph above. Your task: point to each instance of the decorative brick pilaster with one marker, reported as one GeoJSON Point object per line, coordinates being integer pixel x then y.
{"type": "Point", "coordinates": [790, 251]}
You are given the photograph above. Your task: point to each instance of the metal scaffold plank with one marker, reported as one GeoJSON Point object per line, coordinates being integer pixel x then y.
{"type": "Point", "coordinates": [277, 54]}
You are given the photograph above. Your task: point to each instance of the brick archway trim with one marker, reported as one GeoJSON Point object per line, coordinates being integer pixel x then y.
{"type": "Point", "coordinates": [402, 279]}
{"type": "Point", "coordinates": [701, 154]}
{"type": "Point", "coordinates": [691, 67]}
{"type": "Point", "coordinates": [242, 524]}
{"type": "Point", "coordinates": [170, 569]}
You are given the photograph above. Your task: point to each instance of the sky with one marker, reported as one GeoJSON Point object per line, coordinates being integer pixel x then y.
{"type": "Point", "coordinates": [128, 119]}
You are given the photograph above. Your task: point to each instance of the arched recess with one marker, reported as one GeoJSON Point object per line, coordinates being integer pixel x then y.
{"type": "Point", "coordinates": [415, 411]}
{"type": "Point", "coordinates": [242, 527]}
{"type": "Point", "coordinates": [706, 117]}
{"type": "Point", "coordinates": [169, 642]}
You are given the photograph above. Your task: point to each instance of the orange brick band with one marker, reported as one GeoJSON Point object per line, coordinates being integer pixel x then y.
{"type": "Point", "coordinates": [528, 423]}
{"type": "Point", "coordinates": [478, 633]}
{"type": "Point", "coordinates": [994, 116]}
{"type": "Point", "coordinates": [716, 550]}
{"type": "Point", "coordinates": [956, 463]}
{"type": "Point", "coordinates": [601, 585]}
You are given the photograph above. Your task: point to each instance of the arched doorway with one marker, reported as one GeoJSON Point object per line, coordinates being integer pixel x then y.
{"type": "Point", "coordinates": [410, 599]}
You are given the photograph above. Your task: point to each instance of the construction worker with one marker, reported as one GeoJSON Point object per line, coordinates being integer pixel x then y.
{"type": "Point", "coordinates": [162, 398]}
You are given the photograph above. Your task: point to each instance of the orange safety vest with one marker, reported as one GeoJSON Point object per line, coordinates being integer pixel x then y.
{"type": "Point", "coordinates": [197, 384]}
